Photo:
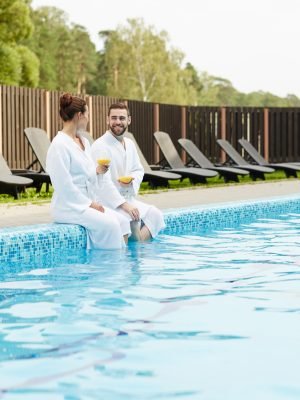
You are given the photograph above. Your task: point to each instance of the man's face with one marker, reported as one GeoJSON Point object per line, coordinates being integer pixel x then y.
{"type": "Point", "coordinates": [118, 121]}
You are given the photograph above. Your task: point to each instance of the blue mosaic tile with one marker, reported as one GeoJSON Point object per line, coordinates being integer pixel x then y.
{"type": "Point", "coordinates": [220, 216]}
{"type": "Point", "coordinates": [25, 242]}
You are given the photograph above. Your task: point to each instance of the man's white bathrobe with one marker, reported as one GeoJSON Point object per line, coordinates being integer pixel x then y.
{"type": "Point", "coordinates": [124, 161]}
{"type": "Point", "coordinates": [73, 176]}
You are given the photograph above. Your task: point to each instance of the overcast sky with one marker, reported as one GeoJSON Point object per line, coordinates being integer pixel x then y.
{"type": "Point", "coordinates": [254, 43]}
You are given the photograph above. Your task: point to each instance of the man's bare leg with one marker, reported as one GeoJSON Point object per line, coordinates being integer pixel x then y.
{"type": "Point", "coordinates": [145, 234]}
{"type": "Point", "coordinates": [135, 231]}
{"type": "Point", "coordinates": [139, 234]}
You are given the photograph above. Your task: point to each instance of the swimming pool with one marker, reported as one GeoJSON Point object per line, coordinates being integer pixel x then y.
{"type": "Point", "coordinates": [208, 312]}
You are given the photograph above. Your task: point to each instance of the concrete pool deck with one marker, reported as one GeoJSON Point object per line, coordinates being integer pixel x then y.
{"type": "Point", "coordinates": [18, 215]}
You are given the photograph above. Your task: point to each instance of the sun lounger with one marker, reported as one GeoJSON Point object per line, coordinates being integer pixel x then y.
{"type": "Point", "coordinates": [39, 143]}
{"type": "Point", "coordinates": [154, 178]}
{"type": "Point", "coordinates": [255, 171]}
{"type": "Point", "coordinates": [289, 169]}
{"type": "Point", "coordinates": [174, 161]}
{"type": "Point", "coordinates": [199, 159]}
{"type": "Point", "coordinates": [9, 183]}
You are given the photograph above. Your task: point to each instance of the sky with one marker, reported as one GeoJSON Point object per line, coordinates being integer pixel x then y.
{"type": "Point", "coordinates": [254, 44]}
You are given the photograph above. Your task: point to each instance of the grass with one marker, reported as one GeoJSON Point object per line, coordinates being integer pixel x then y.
{"type": "Point", "coordinates": [214, 182]}
{"type": "Point", "coordinates": [30, 195]}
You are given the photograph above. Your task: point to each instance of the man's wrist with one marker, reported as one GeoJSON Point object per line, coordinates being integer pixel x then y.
{"type": "Point", "coordinates": [123, 205]}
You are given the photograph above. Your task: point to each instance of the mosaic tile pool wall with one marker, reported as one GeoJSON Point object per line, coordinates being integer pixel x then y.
{"type": "Point", "coordinates": [23, 243]}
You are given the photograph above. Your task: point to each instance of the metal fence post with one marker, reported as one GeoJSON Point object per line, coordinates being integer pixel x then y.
{"type": "Point", "coordinates": [91, 124]}
{"type": "Point", "coordinates": [223, 132]}
{"type": "Point", "coordinates": [156, 128]}
{"type": "Point", "coordinates": [266, 134]}
{"type": "Point", "coordinates": [183, 131]}
{"type": "Point", "coordinates": [48, 117]}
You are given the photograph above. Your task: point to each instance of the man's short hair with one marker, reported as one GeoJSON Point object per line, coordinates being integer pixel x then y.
{"type": "Point", "coordinates": [118, 106]}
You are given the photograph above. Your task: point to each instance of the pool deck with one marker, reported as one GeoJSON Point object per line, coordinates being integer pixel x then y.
{"type": "Point", "coordinates": [17, 215]}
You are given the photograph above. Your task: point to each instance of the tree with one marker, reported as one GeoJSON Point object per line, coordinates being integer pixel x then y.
{"type": "Point", "coordinates": [138, 63]}
{"type": "Point", "coordinates": [98, 83]}
{"type": "Point", "coordinates": [292, 100]}
{"type": "Point", "coordinates": [49, 43]}
{"type": "Point", "coordinates": [66, 53]}
{"type": "Point", "coordinates": [10, 65]}
{"type": "Point", "coordinates": [18, 65]}
{"type": "Point", "coordinates": [29, 67]}
{"type": "Point", "coordinates": [84, 57]}
{"type": "Point", "coordinates": [216, 91]}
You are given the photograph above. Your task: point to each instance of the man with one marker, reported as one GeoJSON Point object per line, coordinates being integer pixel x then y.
{"type": "Point", "coordinates": [126, 173]}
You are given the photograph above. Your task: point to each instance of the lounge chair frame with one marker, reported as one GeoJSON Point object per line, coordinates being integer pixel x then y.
{"type": "Point", "coordinates": [198, 159]}
{"type": "Point", "coordinates": [154, 178]}
{"type": "Point", "coordinates": [255, 171]}
{"type": "Point", "coordinates": [290, 170]}
{"type": "Point", "coordinates": [174, 162]}
{"type": "Point", "coordinates": [9, 183]}
{"type": "Point", "coordinates": [39, 142]}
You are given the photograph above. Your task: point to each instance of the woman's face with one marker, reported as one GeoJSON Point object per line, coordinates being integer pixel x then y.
{"type": "Point", "coordinates": [83, 119]}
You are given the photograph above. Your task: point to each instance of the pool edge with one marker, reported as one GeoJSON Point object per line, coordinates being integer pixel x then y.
{"type": "Point", "coordinates": [24, 242]}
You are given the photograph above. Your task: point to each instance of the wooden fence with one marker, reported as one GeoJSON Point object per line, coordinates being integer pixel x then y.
{"type": "Point", "coordinates": [274, 132]}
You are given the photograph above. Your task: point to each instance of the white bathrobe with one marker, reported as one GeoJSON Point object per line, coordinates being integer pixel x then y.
{"type": "Point", "coordinates": [73, 176]}
{"type": "Point", "coordinates": [124, 162]}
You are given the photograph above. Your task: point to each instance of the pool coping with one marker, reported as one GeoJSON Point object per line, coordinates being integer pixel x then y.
{"type": "Point", "coordinates": [22, 243]}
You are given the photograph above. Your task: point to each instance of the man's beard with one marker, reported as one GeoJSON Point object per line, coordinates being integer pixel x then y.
{"type": "Point", "coordinates": [117, 132]}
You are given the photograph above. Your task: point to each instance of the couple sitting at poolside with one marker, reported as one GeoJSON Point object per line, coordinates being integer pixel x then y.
{"type": "Point", "coordinates": [95, 186]}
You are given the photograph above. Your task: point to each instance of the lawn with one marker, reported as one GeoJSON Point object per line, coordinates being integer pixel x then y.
{"type": "Point", "coordinates": [30, 195]}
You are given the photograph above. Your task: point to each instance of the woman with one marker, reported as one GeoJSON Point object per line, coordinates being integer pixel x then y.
{"type": "Point", "coordinates": [74, 178]}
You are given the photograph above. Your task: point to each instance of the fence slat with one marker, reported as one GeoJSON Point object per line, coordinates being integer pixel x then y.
{"type": "Point", "coordinates": [24, 107]}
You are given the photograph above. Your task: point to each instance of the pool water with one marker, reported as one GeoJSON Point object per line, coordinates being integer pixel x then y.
{"type": "Point", "coordinates": [214, 316]}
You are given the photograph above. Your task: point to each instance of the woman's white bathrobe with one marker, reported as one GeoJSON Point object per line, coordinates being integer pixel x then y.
{"type": "Point", "coordinates": [73, 176]}
{"type": "Point", "coordinates": [124, 162]}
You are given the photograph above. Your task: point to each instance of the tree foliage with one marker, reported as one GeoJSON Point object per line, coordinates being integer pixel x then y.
{"type": "Point", "coordinates": [84, 57]}
{"type": "Point", "coordinates": [67, 55]}
{"type": "Point", "coordinates": [138, 63]}
{"type": "Point", "coordinates": [10, 65]}
{"type": "Point", "coordinates": [216, 91]}
{"type": "Point", "coordinates": [15, 22]}
{"type": "Point", "coordinates": [18, 65]}
{"type": "Point", "coordinates": [29, 67]}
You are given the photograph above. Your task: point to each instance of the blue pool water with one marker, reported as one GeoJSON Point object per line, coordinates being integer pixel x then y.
{"type": "Point", "coordinates": [193, 316]}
